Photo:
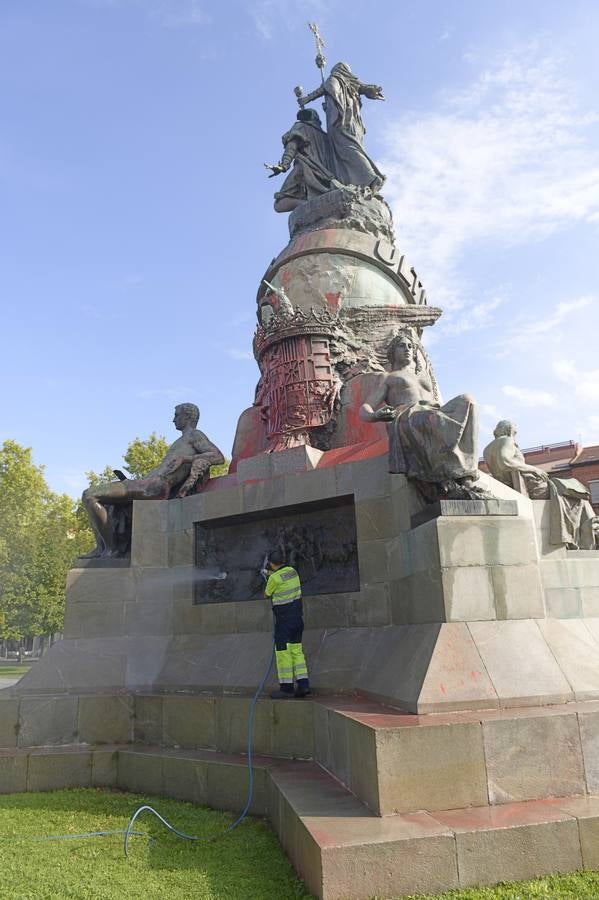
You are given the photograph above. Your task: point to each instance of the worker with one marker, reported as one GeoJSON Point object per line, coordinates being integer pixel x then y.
{"type": "Point", "coordinates": [284, 589]}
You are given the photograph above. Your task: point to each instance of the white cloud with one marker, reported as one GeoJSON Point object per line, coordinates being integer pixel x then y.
{"type": "Point", "coordinates": [584, 383]}
{"type": "Point", "coordinates": [528, 396]}
{"type": "Point", "coordinates": [544, 329]}
{"type": "Point", "coordinates": [478, 316]}
{"type": "Point", "coordinates": [506, 159]}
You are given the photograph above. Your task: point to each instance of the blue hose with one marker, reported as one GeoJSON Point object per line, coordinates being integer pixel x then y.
{"type": "Point", "coordinates": [244, 812]}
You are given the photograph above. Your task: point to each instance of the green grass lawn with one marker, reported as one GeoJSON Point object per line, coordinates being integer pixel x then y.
{"type": "Point", "coordinates": [578, 886]}
{"type": "Point", "coordinates": [248, 864]}
{"type": "Point", "coordinates": [13, 671]}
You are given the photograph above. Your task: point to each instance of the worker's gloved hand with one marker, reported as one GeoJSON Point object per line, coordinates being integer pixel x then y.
{"type": "Point", "coordinates": [265, 573]}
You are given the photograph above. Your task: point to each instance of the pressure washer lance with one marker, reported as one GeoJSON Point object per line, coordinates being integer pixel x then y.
{"type": "Point", "coordinates": [264, 572]}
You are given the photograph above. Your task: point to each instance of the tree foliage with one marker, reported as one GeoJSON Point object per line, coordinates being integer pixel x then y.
{"type": "Point", "coordinates": [40, 535]}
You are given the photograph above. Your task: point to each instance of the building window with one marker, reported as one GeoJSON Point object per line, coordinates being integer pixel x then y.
{"type": "Point", "coordinates": [594, 488]}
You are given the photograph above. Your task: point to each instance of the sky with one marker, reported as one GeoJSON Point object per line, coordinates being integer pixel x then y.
{"type": "Point", "coordinates": [136, 217]}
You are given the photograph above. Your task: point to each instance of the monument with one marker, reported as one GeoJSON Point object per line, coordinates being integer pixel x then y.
{"type": "Point", "coordinates": [452, 646]}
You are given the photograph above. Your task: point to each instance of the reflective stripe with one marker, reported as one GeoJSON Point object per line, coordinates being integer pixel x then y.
{"type": "Point", "coordinates": [286, 586]}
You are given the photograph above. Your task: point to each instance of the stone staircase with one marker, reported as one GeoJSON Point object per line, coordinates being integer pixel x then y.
{"type": "Point", "coordinates": [366, 800]}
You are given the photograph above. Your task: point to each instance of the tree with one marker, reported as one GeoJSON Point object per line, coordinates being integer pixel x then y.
{"type": "Point", "coordinates": [40, 535]}
{"type": "Point", "coordinates": [143, 456]}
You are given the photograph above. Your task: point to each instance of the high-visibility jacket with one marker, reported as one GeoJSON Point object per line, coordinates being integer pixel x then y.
{"type": "Point", "coordinates": [283, 587]}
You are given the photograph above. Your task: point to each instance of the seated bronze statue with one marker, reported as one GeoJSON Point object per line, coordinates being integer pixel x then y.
{"type": "Point", "coordinates": [184, 469]}
{"type": "Point", "coordinates": [434, 445]}
{"type": "Point", "coordinates": [573, 522]}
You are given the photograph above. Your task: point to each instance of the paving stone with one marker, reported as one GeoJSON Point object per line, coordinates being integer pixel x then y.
{"type": "Point", "coordinates": [521, 666]}
{"type": "Point", "coordinates": [531, 758]}
{"type": "Point", "coordinates": [13, 773]}
{"type": "Point", "coordinates": [514, 842]}
{"type": "Point", "coordinates": [105, 720]}
{"type": "Point", "coordinates": [52, 771]}
{"type": "Point", "coordinates": [189, 721]}
{"type": "Point", "coordinates": [47, 720]}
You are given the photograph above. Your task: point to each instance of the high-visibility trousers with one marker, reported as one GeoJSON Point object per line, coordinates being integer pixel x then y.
{"type": "Point", "coordinates": [289, 655]}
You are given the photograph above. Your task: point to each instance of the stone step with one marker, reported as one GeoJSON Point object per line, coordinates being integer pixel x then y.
{"type": "Point", "coordinates": [399, 762]}
{"type": "Point", "coordinates": [177, 720]}
{"type": "Point", "coordinates": [218, 780]}
{"type": "Point", "coordinates": [338, 846]}
{"type": "Point", "coordinates": [343, 853]}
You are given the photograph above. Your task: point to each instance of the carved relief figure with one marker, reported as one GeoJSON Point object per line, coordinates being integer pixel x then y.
{"type": "Point", "coordinates": [434, 445]}
{"type": "Point", "coordinates": [573, 520]}
{"type": "Point", "coordinates": [185, 465]}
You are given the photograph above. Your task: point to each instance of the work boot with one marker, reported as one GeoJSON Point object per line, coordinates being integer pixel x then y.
{"type": "Point", "coordinates": [302, 688]}
{"type": "Point", "coordinates": [285, 692]}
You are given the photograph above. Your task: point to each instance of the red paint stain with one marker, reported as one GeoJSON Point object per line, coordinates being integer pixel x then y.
{"type": "Point", "coordinates": [442, 688]}
{"type": "Point", "coordinates": [333, 300]}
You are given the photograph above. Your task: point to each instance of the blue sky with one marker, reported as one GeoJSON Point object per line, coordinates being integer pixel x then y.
{"type": "Point", "coordinates": [137, 217]}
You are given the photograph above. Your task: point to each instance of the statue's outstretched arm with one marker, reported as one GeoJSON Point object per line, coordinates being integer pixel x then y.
{"type": "Point", "coordinates": [314, 95]}
{"type": "Point", "coordinates": [372, 91]}
{"type": "Point", "coordinates": [289, 154]}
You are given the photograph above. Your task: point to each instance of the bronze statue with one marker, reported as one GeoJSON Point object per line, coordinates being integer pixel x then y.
{"type": "Point", "coordinates": [573, 522]}
{"type": "Point", "coordinates": [307, 148]}
{"type": "Point", "coordinates": [342, 91]}
{"type": "Point", "coordinates": [434, 445]}
{"type": "Point", "coordinates": [185, 466]}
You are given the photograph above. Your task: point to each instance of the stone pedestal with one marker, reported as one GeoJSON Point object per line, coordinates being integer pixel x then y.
{"type": "Point", "coordinates": [455, 713]}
